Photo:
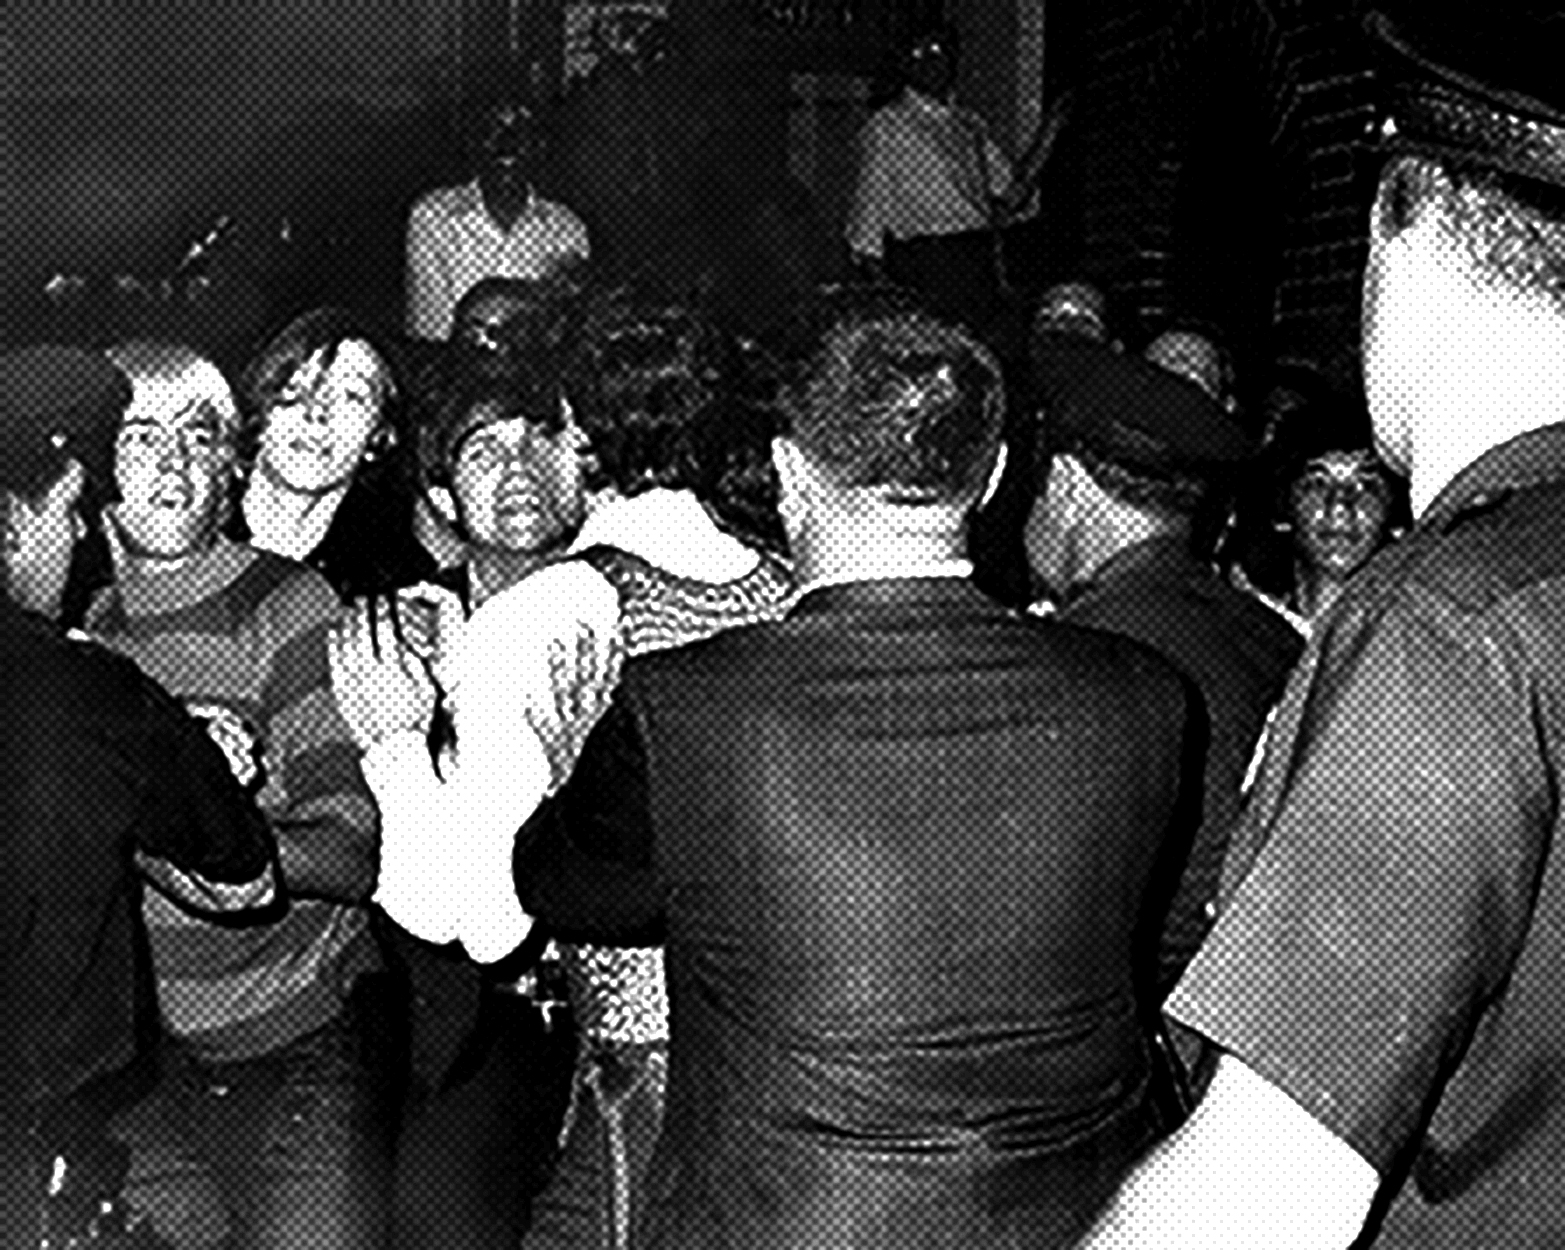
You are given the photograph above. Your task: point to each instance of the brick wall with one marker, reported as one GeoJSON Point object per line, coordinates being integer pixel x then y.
{"type": "Point", "coordinates": [1218, 171]}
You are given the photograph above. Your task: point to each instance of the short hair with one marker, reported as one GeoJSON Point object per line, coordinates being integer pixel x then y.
{"type": "Point", "coordinates": [528, 387]}
{"type": "Point", "coordinates": [1512, 227]}
{"type": "Point", "coordinates": [321, 331]}
{"type": "Point", "coordinates": [642, 378]}
{"type": "Point", "coordinates": [1192, 327]}
{"type": "Point", "coordinates": [148, 361]}
{"type": "Point", "coordinates": [899, 400]}
{"type": "Point", "coordinates": [544, 313]}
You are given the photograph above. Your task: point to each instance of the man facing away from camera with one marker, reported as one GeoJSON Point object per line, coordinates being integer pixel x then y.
{"type": "Point", "coordinates": [900, 840]}
{"type": "Point", "coordinates": [1385, 974]}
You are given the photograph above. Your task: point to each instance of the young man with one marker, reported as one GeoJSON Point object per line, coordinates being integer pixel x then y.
{"type": "Point", "coordinates": [1385, 978]}
{"type": "Point", "coordinates": [900, 840]}
{"type": "Point", "coordinates": [267, 1089]}
{"type": "Point", "coordinates": [495, 226]}
{"type": "Point", "coordinates": [103, 779]}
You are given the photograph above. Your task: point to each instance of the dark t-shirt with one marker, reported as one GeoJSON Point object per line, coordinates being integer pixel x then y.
{"type": "Point", "coordinates": [1392, 956]}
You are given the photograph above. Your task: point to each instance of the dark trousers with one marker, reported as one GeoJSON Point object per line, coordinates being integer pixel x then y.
{"type": "Point", "coordinates": [955, 274]}
{"type": "Point", "coordinates": [471, 1158]}
{"type": "Point", "coordinates": [290, 1150]}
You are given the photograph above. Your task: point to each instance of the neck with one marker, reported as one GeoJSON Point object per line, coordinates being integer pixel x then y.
{"type": "Point", "coordinates": [290, 522]}
{"type": "Point", "coordinates": [505, 208]}
{"type": "Point", "coordinates": [1119, 528]}
{"type": "Point", "coordinates": [1314, 592]}
{"type": "Point", "coordinates": [883, 547]}
{"type": "Point", "coordinates": [491, 570]}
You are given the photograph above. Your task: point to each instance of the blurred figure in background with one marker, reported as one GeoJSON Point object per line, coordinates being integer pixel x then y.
{"type": "Point", "coordinates": [495, 226]}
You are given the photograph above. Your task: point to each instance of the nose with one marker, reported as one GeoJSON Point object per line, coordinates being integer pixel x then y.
{"type": "Point", "coordinates": [173, 453]}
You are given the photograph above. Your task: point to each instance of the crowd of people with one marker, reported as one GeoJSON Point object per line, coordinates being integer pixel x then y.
{"type": "Point", "coordinates": [571, 774]}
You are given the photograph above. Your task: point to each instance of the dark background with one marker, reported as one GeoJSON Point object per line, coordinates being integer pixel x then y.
{"type": "Point", "coordinates": [1208, 171]}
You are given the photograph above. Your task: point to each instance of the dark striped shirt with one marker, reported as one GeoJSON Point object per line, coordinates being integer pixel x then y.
{"type": "Point", "coordinates": [240, 636]}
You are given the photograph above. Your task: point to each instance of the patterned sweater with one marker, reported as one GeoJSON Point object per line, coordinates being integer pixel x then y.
{"type": "Point", "coordinates": [240, 636]}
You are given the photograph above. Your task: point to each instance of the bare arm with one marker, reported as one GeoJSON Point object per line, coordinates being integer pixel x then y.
{"type": "Point", "coordinates": [1250, 1170]}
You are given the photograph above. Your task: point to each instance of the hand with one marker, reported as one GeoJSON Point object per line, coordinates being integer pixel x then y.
{"type": "Point", "coordinates": [583, 672]}
{"type": "Point", "coordinates": [378, 693]}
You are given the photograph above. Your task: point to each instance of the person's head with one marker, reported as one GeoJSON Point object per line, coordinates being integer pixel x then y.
{"type": "Point", "coordinates": [503, 460]}
{"type": "Point", "coordinates": [506, 145]}
{"type": "Point", "coordinates": [1197, 354]}
{"type": "Point", "coordinates": [1464, 292]}
{"type": "Point", "coordinates": [498, 319]}
{"type": "Point", "coordinates": [1335, 497]}
{"type": "Point", "coordinates": [1072, 308]}
{"type": "Point", "coordinates": [1123, 450]}
{"type": "Point", "coordinates": [59, 408]}
{"type": "Point", "coordinates": [643, 376]}
{"type": "Point", "coordinates": [319, 399]}
{"type": "Point", "coordinates": [896, 417]}
{"type": "Point", "coordinates": [174, 456]}
{"type": "Point", "coordinates": [929, 59]}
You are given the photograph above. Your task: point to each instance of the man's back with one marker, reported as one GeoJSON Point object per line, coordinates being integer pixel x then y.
{"type": "Point", "coordinates": [903, 837]}
{"type": "Point", "coordinates": [1238, 652]}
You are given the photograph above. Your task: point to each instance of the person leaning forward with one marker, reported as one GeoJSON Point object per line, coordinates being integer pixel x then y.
{"type": "Point", "coordinates": [1385, 974]}
{"type": "Point", "coordinates": [900, 840]}
{"type": "Point", "coordinates": [108, 784]}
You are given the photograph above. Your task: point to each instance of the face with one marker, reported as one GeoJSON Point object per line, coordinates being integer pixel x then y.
{"type": "Point", "coordinates": [317, 428]}
{"type": "Point", "coordinates": [932, 66]}
{"type": "Point", "coordinates": [42, 538]}
{"type": "Point", "coordinates": [520, 488]}
{"type": "Point", "coordinates": [509, 149]}
{"type": "Point", "coordinates": [1340, 504]}
{"type": "Point", "coordinates": [171, 462]}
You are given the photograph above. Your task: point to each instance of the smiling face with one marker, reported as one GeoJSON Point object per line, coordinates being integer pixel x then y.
{"type": "Point", "coordinates": [171, 463]}
{"type": "Point", "coordinates": [1340, 504]}
{"type": "Point", "coordinates": [519, 487]}
{"type": "Point", "coordinates": [317, 427]}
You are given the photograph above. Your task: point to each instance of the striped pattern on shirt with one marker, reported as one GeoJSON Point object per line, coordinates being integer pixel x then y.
{"type": "Point", "coordinates": [240, 635]}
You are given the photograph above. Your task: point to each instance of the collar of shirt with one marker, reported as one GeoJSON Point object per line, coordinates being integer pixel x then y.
{"type": "Point", "coordinates": [928, 104]}
{"type": "Point", "coordinates": [897, 572]}
{"type": "Point", "coordinates": [474, 208]}
{"type": "Point", "coordinates": [667, 528]}
{"type": "Point", "coordinates": [198, 577]}
{"type": "Point", "coordinates": [1531, 459]}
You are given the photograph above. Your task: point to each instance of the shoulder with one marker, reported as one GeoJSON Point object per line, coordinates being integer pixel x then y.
{"type": "Point", "coordinates": [1495, 550]}
{"type": "Point", "coordinates": [283, 594]}
{"type": "Point", "coordinates": [439, 204]}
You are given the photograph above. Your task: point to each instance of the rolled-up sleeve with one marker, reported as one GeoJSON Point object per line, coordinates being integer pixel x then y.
{"type": "Point", "coordinates": [1394, 888]}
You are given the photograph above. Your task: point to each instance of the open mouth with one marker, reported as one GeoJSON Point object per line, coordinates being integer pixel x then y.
{"type": "Point", "coordinates": [173, 496]}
